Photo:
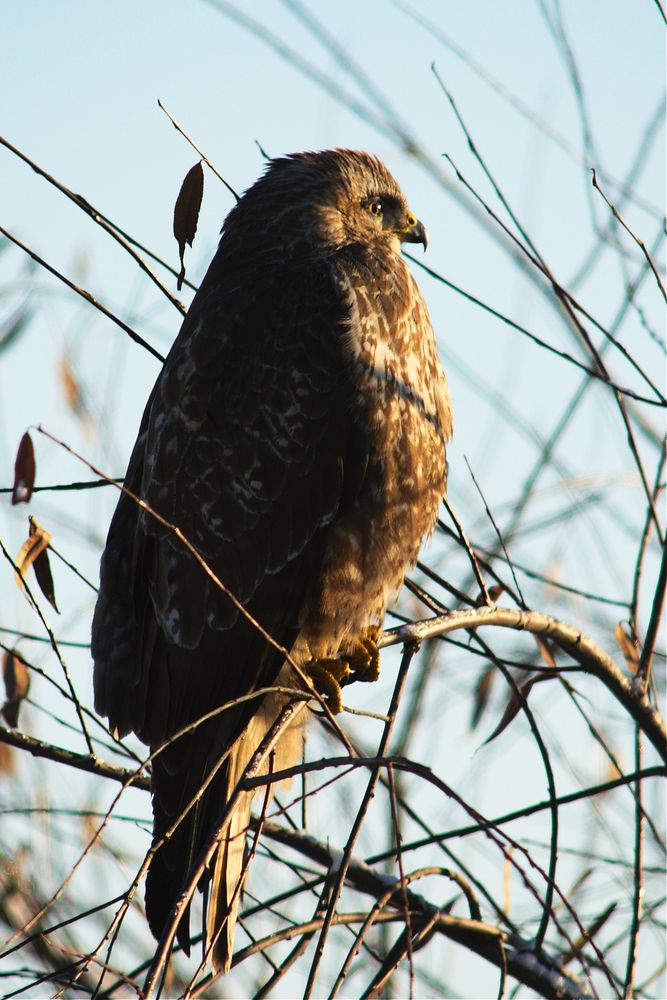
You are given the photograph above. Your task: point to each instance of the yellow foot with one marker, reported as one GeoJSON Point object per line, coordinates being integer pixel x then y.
{"type": "Point", "coordinates": [330, 674]}
{"type": "Point", "coordinates": [327, 674]}
{"type": "Point", "coordinates": [364, 659]}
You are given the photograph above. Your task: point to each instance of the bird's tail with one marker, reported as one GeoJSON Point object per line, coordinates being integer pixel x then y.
{"type": "Point", "coordinates": [226, 886]}
{"type": "Point", "coordinates": [230, 866]}
{"type": "Point", "coordinates": [178, 773]}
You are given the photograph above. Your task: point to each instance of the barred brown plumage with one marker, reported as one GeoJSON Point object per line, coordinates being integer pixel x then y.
{"type": "Point", "coordinates": [296, 436]}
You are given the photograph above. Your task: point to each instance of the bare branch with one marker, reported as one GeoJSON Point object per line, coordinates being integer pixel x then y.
{"type": "Point", "coordinates": [211, 166]}
{"type": "Point", "coordinates": [101, 221]}
{"type": "Point", "coordinates": [592, 658]}
{"type": "Point", "coordinates": [84, 295]}
{"type": "Point", "coordinates": [640, 243]}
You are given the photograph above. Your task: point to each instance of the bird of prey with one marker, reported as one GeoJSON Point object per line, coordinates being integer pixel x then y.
{"type": "Point", "coordinates": [296, 436]}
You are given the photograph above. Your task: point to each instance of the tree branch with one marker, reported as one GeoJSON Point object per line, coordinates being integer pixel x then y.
{"type": "Point", "coordinates": [587, 653]}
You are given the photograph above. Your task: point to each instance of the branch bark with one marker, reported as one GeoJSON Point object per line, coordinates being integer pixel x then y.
{"type": "Point", "coordinates": [591, 657]}
{"type": "Point", "coordinates": [538, 972]}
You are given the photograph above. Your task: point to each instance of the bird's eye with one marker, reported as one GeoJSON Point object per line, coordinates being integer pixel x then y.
{"type": "Point", "coordinates": [375, 207]}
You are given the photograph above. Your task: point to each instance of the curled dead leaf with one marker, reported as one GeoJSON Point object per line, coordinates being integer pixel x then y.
{"type": "Point", "coordinates": [7, 760]}
{"type": "Point", "coordinates": [24, 471]}
{"type": "Point", "coordinates": [628, 645]}
{"type": "Point", "coordinates": [42, 568]}
{"type": "Point", "coordinates": [17, 683]}
{"type": "Point", "coordinates": [482, 694]}
{"type": "Point", "coordinates": [516, 700]}
{"type": "Point", "coordinates": [589, 933]}
{"type": "Point", "coordinates": [186, 213]}
{"type": "Point", "coordinates": [514, 703]}
{"type": "Point", "coordinates": [70, 384]}
{"type": "Point", "coordinates": [34, 553]}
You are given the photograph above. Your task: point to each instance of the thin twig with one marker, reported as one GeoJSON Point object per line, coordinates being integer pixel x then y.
{"type": "Point", "coordinates": [91, 484]}
{"type": "Point", "coordinates": [471, 555]}
{"type": "Point", "coordinates": [638, 893]}
{"type": "Point", "coordinates": [101, 221]}
{"type": "Point", "coordinates": [84, 295]}
{"type": "Point", "coordinates": [517, 814]}
{"type": "Point", "coordinates": [408, 653]}
{"type": "Point", "coordinates": [643, 675]}
{"type": "Point", "coordinates": [569, 307]}
{"type": "Point", "coordinates": [399, 860]}
{"type": "Point", "coordinates": [499, 535]}
{"type": "Point", "coordinates": [591, 372]}
{"type": "Point", "coordinates": [54, 646]}
{"type": "Point", "coordinates": [643, 543]}
{"type": "Point", "coordinates": [211, 166]}
{"type": "Point", "coordinates": [661, 9]}
{"type": "Point", "coordinates": [282, 722]}
{"type": "Point", "coordinates": [640, 243]}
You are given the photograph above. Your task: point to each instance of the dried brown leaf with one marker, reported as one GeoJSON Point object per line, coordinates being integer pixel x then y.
{"type": "Point", "coordinates": [74, 393]}
{"type": "Point", "coordinates": [24, 471]}
{"type": "Point", "coordinates": [507, 882]}
{"type": "Point", "coordinates": [611, 770]}
{"type": "Point", "coordinates": [545, 651]}
{"type": "Point", "coordinates": [514, 703]}
{"type": "Point", "coordinates": [33, 553]}
{"type": "Point", "coordinates": [35, 543]}
{"type": "Point", "coordinates": [186, 213]}
{"type": "Point", "coordinates": [90, 826]}
{"type": "Point", "coordinates": [10, 713]}
{"type": "Point", "coordinates": [482, 694]}
{"type": "Point", "coordinates": [17, 683]}
{"type": "Point", "coordinates": [7, 761]}
{"type": "Point", "coordinates": [628, 646]}
{"type": "Point", "coordinates": [596, 925]}
{"type": "Point", "coordinates": [70, 384]}
{"type": "Point", "coordinates": [42, 568]}
{"type": "Point", "coordinates": [492, 594]}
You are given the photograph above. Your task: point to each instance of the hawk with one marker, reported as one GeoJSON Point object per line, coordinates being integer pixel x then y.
{"type": "Point", "coordinates": [296, 436]}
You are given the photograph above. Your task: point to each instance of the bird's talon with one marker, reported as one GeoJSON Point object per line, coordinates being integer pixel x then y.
{"type": "Point", "coordinates": [327, 674]}
{"type": "Point", "coordinates": [365, 659]}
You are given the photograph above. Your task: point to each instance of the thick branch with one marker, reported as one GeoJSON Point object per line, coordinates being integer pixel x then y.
{"type": "Point", "coordinates": [485, 940]}
{"type": "Point", "coordinates": [587, 653]}
{"type": "Point", "coordinates": [81, 761]}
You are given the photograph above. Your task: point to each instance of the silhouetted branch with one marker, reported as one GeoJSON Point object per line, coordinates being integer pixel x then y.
{"type": "Point", "coordinates": [97, 217]}
{"type": "Point", "coordinates": [592, 658]}
{"type": "Point", "coordinates": [84, 295]}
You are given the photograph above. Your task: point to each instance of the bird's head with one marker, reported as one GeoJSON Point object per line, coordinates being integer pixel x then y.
{"type": "Point", "coordinates": [326, 201]}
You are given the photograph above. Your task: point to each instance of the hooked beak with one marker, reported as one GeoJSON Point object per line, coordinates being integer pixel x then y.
{"type": "Point", "coordinates": [415, 233]}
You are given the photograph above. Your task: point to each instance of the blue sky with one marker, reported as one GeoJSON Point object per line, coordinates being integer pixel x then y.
{"type": "Point", "coordinates": [80, 84]}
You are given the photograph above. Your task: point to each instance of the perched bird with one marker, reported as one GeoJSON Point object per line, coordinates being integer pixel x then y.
{"type": "Point", "coordinates": [296, 436]}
